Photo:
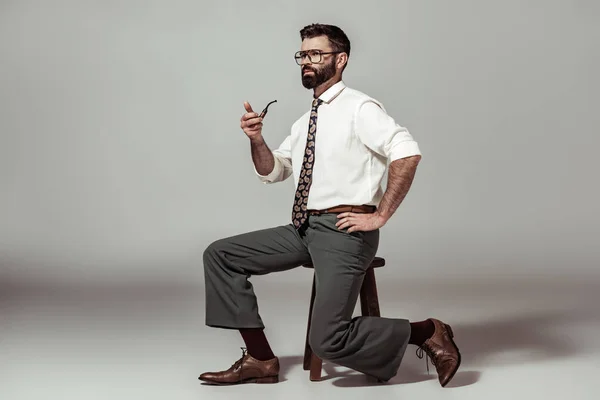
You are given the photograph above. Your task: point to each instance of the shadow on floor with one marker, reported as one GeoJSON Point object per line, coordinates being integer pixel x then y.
{"type": "Point", "coordinates": [536, 336]}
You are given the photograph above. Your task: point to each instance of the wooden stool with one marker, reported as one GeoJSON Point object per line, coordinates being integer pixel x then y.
{"type": "Point", "coordinates": [369, 305]}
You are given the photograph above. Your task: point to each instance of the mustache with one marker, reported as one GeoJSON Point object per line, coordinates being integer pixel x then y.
{"type": "Point", "coordinates": [304, 69]}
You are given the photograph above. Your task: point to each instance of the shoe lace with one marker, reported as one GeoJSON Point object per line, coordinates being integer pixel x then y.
{"type": "Point", "coordinates": [426, 351]}
{"type": "Point", "coordinates": [239, 362]}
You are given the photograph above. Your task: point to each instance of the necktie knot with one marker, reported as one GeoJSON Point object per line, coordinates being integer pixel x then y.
{"type": "Point", "coordinates": [316, 103]}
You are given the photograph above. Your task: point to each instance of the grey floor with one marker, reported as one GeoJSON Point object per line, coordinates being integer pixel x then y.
{"type": "Point", "coordinates": [527, 338]}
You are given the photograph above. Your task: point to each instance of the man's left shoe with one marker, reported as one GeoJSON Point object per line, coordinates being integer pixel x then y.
{"type": "Point", "coordinates": [245, 370]}
{"type": "Point", "coordinates": [442, 351]}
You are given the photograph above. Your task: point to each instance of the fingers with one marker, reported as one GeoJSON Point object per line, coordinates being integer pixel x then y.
{"type": "Point", "coordinates": [344, 221]}
{"type": "Point", "coordinates": [344, 217]}
{"type": "Point", "coordinates": [351, 221]}
{"type": "Point", "coordinates": [344, 225]}
{"type": "Point", "coordinates": [350, 224]}
{"type": "Point", "coordinates": [254, 128]}
{"type": "Point", "coordinates": [250, 119]}
{"type": "Point", "coordinates": [250, 123]}
{"type": "Point", "coordinates": [248, 116]}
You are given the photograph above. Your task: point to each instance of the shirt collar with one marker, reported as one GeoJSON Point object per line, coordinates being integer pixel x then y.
{"type": "Point", "coordinates": [332, 92]}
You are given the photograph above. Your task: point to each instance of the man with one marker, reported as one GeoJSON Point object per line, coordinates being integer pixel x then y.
{"type": "Point", "coordinates": [337, 153]}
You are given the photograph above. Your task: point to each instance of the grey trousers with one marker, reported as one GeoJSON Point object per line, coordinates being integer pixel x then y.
{"type": "Point", "coordinates": [372, 345]}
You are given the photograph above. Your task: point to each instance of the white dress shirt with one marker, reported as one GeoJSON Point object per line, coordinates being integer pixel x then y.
{"type": "Point", "coordinates": [355, 140]}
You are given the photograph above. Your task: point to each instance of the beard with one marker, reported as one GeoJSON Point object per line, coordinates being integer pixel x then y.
{"type": "Point", "coordinates": [319, 75]}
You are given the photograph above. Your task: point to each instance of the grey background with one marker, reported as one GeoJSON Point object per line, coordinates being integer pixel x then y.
{"type": "Point", "coordinates": [121, 156]}
{"type": "Point", "coordinates": [121, 159]}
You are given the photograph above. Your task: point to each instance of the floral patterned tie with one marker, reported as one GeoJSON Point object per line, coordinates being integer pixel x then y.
{"type": "Point", "coordinates": [299, 214]}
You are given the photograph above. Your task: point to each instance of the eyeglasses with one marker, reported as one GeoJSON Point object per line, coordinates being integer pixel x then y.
{"type": "Point", "coordinates": [315, 56]}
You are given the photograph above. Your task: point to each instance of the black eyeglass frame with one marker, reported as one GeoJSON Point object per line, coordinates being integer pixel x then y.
{"type": "Point", "coordinates": [299, 56]}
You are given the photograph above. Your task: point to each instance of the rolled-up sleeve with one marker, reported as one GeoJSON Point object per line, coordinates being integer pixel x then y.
{"type": "Point", "coordinates": [283, 164]}
{"type": "Point", "coordinates": [382, 134]}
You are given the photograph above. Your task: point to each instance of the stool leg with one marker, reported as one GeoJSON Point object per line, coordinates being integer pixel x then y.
{"type": "Point", "coordinates": [316, 366]}
{"type": "Point", "coordinates": [307, 350]}
{"type": "Point", "coordinates": [369, 302]}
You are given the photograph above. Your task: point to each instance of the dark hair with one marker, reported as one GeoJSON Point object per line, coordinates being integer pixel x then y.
{"type": "Point", "coordinates": [338, 39]}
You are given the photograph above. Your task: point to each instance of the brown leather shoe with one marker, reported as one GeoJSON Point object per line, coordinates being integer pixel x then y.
{"type": "Point", "coordinates": [442, 351]}
{"type": "Point", "coordinates": [245, 370]}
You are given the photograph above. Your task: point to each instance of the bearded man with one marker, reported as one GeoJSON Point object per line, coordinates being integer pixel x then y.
{"type": "Point", "coordinates": [337, 153]}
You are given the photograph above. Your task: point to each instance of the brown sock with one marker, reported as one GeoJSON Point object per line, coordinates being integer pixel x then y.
{"type": "Point", "coordinates": [257, 344]}
{"type": "Point", "coordinates": [420, 332]}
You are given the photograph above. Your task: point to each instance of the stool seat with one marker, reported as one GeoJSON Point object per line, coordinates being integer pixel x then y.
{"type": "Point", "coordinates": [369, 305]}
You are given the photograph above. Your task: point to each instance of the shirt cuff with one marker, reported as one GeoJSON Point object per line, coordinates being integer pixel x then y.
{"type": "Point", "coordinates": [274, 175]}
{"type": "Point", "coordinates": [404, 149]}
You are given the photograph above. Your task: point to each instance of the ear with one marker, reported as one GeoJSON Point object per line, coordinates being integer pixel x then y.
{"type": "Point", "coordinates": [341, 60]}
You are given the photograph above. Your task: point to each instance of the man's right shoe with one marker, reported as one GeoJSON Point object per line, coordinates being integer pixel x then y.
{"type": "Point", "coordinates": [245, 370]}
{"type": "Point", "coordinates": [442, 351]}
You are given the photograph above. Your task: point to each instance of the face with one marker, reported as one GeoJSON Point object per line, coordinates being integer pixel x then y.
{"type": "Point", "coordinates": [314, 75]}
